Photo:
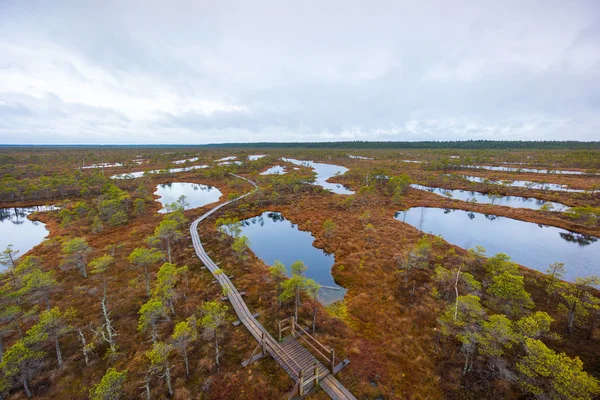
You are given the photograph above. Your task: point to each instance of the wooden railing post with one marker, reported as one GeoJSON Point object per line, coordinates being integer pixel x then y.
{"type": "Point", "coordinates": [301, 380]}
{"type": "Point", "coordinates": [316, 366]}
{"type": "Point", "coordinates": [279, 326]}
{"type": "Point", "coordinates": [293, 325]}
{"type": "Point", "coordinates": [332, 360]}
{"type": "Point", "coordinates": [264, 348]}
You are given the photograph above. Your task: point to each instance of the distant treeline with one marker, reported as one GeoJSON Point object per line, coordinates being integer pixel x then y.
{"type": "Point", "coordinates": [462, 144]}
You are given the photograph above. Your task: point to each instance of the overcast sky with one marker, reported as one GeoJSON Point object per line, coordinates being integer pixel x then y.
{"type": "Point", "coordinates": [228, 71]}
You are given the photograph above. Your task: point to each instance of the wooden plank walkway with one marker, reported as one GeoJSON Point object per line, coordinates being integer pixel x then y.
{"type": "Point", "coordinates": [289, 354]}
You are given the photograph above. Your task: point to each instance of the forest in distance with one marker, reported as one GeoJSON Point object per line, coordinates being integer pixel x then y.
{"type": "Point", "coordinates": [421, 144]}
{"type": "Point", "coordinates": [114, 302]}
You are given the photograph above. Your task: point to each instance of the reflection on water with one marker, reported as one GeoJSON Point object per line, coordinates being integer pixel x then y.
{"type": "Point", "coordinates": [272, 237]}
{"type": "Point", "coordinates": [139, 174]}
{"type": "Point", "coordinates": [186, 160]}
{"type": "Point", "coordinates": [197, 195]}
{"type": "Point", "coordinates": [324, 172]}
{"type": "Point", "coordinates": [525, 184]}
{"type": "Point", "coordinates": [483, 198]}
{"type": "Point", "coordinates": [275, 170]}
{"type": "Point", "coordinates": [532, 245]}
{"type": "Point", "coordinates": [519, 169]}
{"type": "Point", "coordinates": [18, 230]}
{"type": "Point", "coordinates": [226, 158]}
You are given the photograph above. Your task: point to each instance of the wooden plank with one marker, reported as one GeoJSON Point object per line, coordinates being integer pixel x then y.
{"type": "Point", "coordinates": [255, 358]}
{"type": "Point", "coordinates": [341, 365]}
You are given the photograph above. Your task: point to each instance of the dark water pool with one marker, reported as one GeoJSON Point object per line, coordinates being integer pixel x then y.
{"type": "Point", "coordinates": [483, 198]}
{"type": "Point", "coordinates": [324, 172]}
{"type": "Point", "coordinates": [197, 195]}
{"type": "Point", "coordinates": [532, 245]}
{"type": "Point", "coordinates": [273, 237]}
{"type": "Point", "coordinates": [20, 231]}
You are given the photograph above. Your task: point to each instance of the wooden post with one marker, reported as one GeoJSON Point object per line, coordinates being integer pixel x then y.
{"type": "Point", "coordinates": [264, 349]}
{"type": "Point", "coordinates": [316, 366]}
{"type": "Point", "coordinates": [293, 326]}
{"type": "Point", "coordinates": [301, 380]}
{"type": "Point", "coordinates": [279, 326]}
{"type": "Point", "coordinates": [332, 360]}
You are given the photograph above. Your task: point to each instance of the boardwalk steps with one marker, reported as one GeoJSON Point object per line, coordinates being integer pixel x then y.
{"type": "Point", "coordinates": [293, 357]}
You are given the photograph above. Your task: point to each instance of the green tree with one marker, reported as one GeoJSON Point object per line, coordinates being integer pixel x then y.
{"type": "Point", "coordinates": [159, 362]}
{"type": "Point", "coordinates": [213, 318]}
{"type": "Point", "coordinates": [329, 227]}
{"type": "Point", "coordinates": [19, 364]}
{"type": "Point", "coordinates": [37, 285]}
{"type": "Point", "coordinates": [577, 300]}
{"type": "Point", "coordinates": [183, 333]}
{"type": "Point", "coordinates": [463, 321]}
{"type": "Point", "coordinates": [499, 264]}
{"type": "Point", "coordinates": [52, 325]}
{"type": "Point", "coordinates": [550, 375]}
{"type": "Point", "coordinates": [312, 289]}
{"type": "Point", "coordinates": [143, 258]}
{"type": "Point", "coordinates": [168, 231]}
{"type": "Point", "coordinates": [277, 272]}
{"type": "Point", "coordinates": [166, 280]}
{"type": "Point", "coordinates": [449, 282]}
{"type": "Point", "coordinates": [240, 247]}
{"type": "Point", "coordinates": [101, 265]}
{"type": "Point", "coordinates": [8, 258]}
{"type": "Point", "coordinates": [497, 335]}
{"type": "Point", "coordinates": [97, 225]}
{"type": "Point", "coordinates": [9, 319]}
{"type": "Point", "coordinates": [291, 290]}
{"type": "Point", "coordinates": [138, 206]}
{"type": "Point", "coordinates": [110, 386]}
{"type": "Point", "coordinates": [182, 202]}
{"type": "Point", "coordinates": [75, 253]}
{"type": "Point", "coordinates": [509, 294]}
{"type": "Point", "coordinates": [398, 185]}
{"type": "Point", "coordinates": [150, 313]}
{"type": "Point", "coordinates": [298, 268]}
{"type": "Point", "coordinates": [552, 279]}
{"type": "Point", "coordinates": [534, 326]}
{"type": "Point", "coordinates": [416, 257]}
{"type": "Point", "coordinates": [228, 226]}
{"type": "Point", "coordinates": [119, 218]}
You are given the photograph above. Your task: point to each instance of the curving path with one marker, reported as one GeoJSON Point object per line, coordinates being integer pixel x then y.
{"type": "Point", "coordinates": [290, 364]}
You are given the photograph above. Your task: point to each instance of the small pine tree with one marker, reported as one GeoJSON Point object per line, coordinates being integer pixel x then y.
{"type": "Point", "coordinates": [110, 386]}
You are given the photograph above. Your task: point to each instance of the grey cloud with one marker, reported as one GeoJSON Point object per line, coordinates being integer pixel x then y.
{"type": "Point", "coordinates": [133, 71]}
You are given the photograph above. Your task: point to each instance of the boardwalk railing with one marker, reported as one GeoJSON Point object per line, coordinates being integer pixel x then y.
{"type": "Point", "coordinates": [327, 355]}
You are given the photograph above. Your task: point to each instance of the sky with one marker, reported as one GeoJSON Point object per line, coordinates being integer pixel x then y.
{"type": "Point", "coordinates": [178, 72]}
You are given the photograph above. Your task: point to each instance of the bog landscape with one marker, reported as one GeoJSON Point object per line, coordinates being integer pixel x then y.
{"type": "Point", "coordinates": [380, 270]}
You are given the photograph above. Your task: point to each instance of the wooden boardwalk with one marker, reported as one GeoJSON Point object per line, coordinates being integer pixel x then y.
{"type": "Point", "coordinates": [294, 358]}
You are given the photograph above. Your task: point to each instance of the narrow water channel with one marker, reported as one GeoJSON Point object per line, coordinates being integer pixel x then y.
{"type": "Point", "coordinates": [525, 184]}
{"type": "Point", "coordinates": [521, 169]}
{"type": "Point", "coordinates": [532, 245]}
{"type": "Point", "coordinates": [139, 174]}
{"type": "Point", "coordinates": [324, 172]}
{"type": "Point", "coordinates": [274, 170]}
{"type": "Point", "coordinates": [483, 198]}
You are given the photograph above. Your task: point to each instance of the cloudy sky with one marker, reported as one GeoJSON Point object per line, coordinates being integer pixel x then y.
{"type": "Point", "coordinates": [226, 71]}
